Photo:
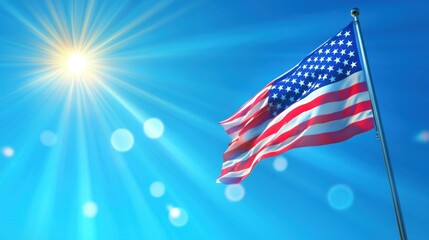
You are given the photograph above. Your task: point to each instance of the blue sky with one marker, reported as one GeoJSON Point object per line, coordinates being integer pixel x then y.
{"type": "Point", "coordinates": [130, 147]}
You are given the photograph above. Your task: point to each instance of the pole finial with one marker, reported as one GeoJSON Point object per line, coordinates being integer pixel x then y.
{"type": "Point", "coordinates": [354, 12]}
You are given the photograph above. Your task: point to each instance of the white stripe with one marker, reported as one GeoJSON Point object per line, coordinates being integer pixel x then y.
{"type": "Point", "coordinates": [312, 130]}
{"type": "Point", "coordinates": [245, 117]}
{"type": "Point", "coordinates": [323, 109]}
{"type": "Point", "coordinates": [240, 173]}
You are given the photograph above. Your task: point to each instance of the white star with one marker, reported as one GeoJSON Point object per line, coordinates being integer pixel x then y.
{"type": "Point", "coordinates": [349, 43]}
{"type": "Point", "coordinates": [321, 59]}
{"type": "Point", "coordinates": [351, 54]}
{"type": "Point", "coordinates": [325, 77]}
{"type": "Point", "coordinates": [287, 80]}
{"type": "Point", "coordinates": [304, 66]}
{"type": "Point", "coordinates": [296, 90]}
{"type": "Point", "coordinates": [287, 89]}
{"type": "Point", "coordinates": [309, 60]}
{"type": "Point", "coordinates": [337, 60]}
{"type": "Point", "coordinates": [309, 84]}
{"type": "Point", "coordinates": [329, 59]}
{"type": "Point", "coordinates": [274, 96]}
{"type": "Point", "coordinates": [335, 51]}
{"type": "Point", "coordinates": [312, 75]}
{"type": "Point", "coordinates": [332, 43]}
{"type": "Point", "coordinates": [320, 51]}
{"type": "Point", "coordinates": [348, 73]}
{"type": "Point", "coordinates": [273, 87]}
{"type": "Point", "coordinates": [330, 68]}
{"type": "Point", "coordinates": [343, 52]}
{"type": "Point", "coordinates": [301, 82]}
{"type": "Point", "coordinates": [316, 67]}
{"type": "Point", "coordinates": [320, 76]}
{"type": "Point", "coordinates": [299, 74]}
{"type": "Point", "coordinates": [306, 74]}
{"type": "Point", "coordinates": [332, 79]}
{"type": "Point", "coordinates": [322, 67]}
{"type": "Point", "coordinates": [339, 34]}
{"type": "Point", "coordinates": [315, 59]}
{"type": "Point", "coordinates": [291, 99]}
{"type": "Point", "coordinates": [283, 97]}
{"type": "Point", "coordinates": [347, 34]}
{"type": "Point", "coordinates": [317, 85]}
{"type": "Point", "coordinates": [353, 64]}
{"type": "Point", "coordinates": [311, 67]}
{"type": "Point", "coordinates": [340, 71]}
{"type": "Point", "coordinates": [280, 87]}
{"type": "Point", "coordinates": [327, 51]}
{"type": "Point", "coordinates": [346, 62]}
{"type": "Point", "coordinates": [341, 42]}
{"type": "Point", "coordinates": [294, 81]}
{"type": "Point", "coordinates": [278, 106]}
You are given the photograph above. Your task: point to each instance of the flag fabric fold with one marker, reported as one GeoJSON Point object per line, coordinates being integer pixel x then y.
{"type": "Point", "coordinates": [322, 100]}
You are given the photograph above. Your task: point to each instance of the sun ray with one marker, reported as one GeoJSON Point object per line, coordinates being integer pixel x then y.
{"type": "Point", "coordinates": [126, 29]}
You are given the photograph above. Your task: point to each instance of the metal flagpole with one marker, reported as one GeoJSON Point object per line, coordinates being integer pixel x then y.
{"type": "Point", "coordinates": [379, 129]}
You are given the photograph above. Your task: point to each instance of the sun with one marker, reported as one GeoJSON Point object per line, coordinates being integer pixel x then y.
{"type": "Point", "coordinates": [77, 63]}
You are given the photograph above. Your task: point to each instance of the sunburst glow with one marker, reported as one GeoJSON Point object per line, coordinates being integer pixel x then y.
{"type": "Point", "coordinates": [69, 66]}
{"type": "Point", "coordinates": [77, 66]}
{"type": "Point", "coordinates": [77, 63]}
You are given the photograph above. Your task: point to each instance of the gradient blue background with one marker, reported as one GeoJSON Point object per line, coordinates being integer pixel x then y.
{"type": "Point", "coordinates": [192, 64]}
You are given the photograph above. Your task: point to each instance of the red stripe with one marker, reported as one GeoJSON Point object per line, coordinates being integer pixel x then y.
{"type": "Point", "coordinates": [323, 99]}
{"type": "Point", "coordinates": [347, 112]}
{"type": "Point", "coordinates": [255, 120]}
{"type": "Point", "coordinates": [314, 140]}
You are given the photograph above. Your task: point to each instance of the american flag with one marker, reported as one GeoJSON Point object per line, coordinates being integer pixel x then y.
{"type": "Point", "coordinates": [322, 100]}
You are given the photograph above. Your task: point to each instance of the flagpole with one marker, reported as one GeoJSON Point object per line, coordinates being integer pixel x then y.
{"type": "Point", "coordinates": [379, 129]}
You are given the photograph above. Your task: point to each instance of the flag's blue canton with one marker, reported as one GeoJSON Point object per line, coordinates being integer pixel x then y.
{"type": "Point", "coordinates": [335, 60]}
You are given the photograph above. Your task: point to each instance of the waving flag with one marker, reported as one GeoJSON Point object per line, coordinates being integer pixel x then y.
{"type": "Point", "coordinates": [322, 100]}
